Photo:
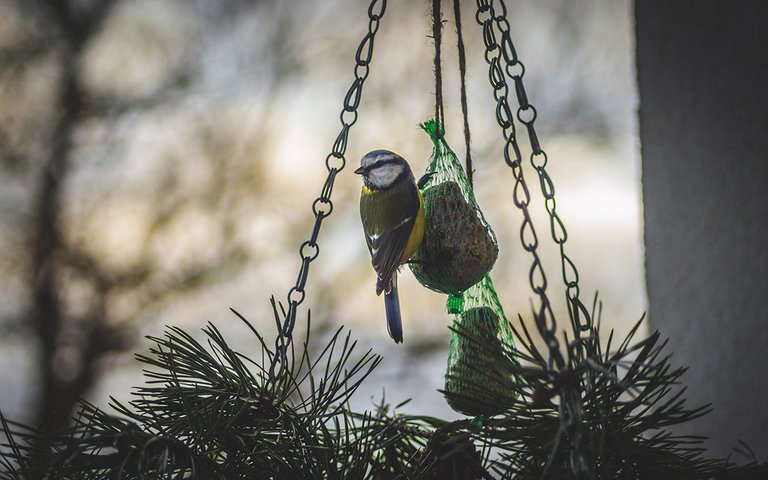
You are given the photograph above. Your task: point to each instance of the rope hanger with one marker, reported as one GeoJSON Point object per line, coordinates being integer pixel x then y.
{"type": "Point", "coordinates": [437, 23]}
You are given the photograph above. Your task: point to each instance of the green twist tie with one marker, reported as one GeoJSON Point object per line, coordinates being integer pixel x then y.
{"type": "Point", "coordinates": [477, 423]}
{"type": "Point", "coordinates": [455, 304]}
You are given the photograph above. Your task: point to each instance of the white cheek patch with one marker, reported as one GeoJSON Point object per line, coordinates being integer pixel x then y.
{"type": "Point", "coordinates": [385, 175]}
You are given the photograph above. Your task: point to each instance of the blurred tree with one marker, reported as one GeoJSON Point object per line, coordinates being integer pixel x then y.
{"type": "Point", "coordinates": [83, 302]}
{"type": "Point", "coordinates": [74, 27]}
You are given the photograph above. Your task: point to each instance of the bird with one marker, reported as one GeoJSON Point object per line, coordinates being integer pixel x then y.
{"type": "Point", "coordinates": [392, 214]}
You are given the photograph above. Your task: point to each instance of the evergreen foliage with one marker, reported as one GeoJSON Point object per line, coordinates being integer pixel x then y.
{"type": "Point", "coordinates": [210, 412]}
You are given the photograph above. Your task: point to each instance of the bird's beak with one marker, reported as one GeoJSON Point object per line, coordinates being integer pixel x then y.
{"type": "Point", "coordinates": [360, 171]}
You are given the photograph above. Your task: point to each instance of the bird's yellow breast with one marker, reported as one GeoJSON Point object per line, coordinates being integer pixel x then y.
{"type": "Point", "coordinates": [417, 234]}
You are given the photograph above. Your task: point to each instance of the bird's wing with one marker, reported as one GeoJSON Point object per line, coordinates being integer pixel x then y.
{"type": "Point", "coordinates": [388, 217]}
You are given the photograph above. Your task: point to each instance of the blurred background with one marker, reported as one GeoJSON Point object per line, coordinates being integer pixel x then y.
{"type": "Point", "coordinates": [158, 160]}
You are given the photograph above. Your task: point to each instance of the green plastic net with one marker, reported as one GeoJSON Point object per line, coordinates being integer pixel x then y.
{"type": "Point", "coordinates": [455, 257]}
{"type": "Point", "coordinates": [473, 388]}
{"type": "Point", "coordinates": [459, 247]}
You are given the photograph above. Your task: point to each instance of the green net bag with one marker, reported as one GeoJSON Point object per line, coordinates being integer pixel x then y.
{"type": "Point", "coordinates": [455, 257]}
{"type": "Point", "coordinates": [459, 247]}
{"type": "Point", "coordinates": [477, 378]}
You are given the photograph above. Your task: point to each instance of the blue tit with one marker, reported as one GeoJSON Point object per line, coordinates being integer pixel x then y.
{"type": "Point", "coordinates": [392, 212]}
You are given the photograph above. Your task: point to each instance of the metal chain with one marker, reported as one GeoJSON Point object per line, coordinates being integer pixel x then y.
{"type": "Point", "coordinates": [504, 64]}
{"type": "Point", "coordinates": [526, 113]}
{"type": "Point", "coordinates": [322, 206]}
{"type": "Point", "coordinates": [544, 316]}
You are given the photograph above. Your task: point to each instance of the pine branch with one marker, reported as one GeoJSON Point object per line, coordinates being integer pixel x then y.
{"type": "Point", "coordinates": [602, 416]}
{"type": "Point", "coordinates": [207, 411]}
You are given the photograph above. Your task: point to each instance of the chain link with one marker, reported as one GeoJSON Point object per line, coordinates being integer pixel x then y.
{"type": "Point", "coordinates": [322, 206]}
{"type": "Point", "coordinates": [526, 114]}
{"type": "Point", "coordinates": [504, 64]}
{"type": "Point", "coordinates": [487, 18]}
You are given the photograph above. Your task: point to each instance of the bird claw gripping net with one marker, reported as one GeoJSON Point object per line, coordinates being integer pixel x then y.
{"type": "Point", "coordinates": [459, 247]}
{"type": "Point", "coordinates": [458, 251]}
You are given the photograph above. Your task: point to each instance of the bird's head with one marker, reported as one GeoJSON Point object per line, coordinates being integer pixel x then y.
{"type": "Point", "coordinates": [382, 169]}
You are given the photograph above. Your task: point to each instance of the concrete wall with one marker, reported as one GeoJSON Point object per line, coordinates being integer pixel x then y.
{"type": "Point", "coordinates": [703, 84]}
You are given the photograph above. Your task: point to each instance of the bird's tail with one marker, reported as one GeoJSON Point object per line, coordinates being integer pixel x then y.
{"type": "Point", "coordinates": [392, 307]}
